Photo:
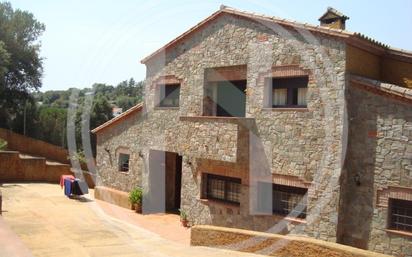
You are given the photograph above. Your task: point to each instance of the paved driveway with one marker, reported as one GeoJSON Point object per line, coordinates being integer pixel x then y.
{"type": "Point", "coordinates": [39, 220]}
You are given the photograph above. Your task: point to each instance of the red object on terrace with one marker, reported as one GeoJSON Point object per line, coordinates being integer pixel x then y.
{"type": "Point", "coordinates": [62, 177]}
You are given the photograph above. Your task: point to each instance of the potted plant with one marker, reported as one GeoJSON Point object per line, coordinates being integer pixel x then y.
{"type": "Point", "coordinates": [183, 218]}
{"type": "Point", "coordinates": [135, 198]}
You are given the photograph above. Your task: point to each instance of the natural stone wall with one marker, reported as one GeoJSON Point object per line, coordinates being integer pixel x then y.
{"type": "Point", "coordinates": [124, 135]}
{"type": "Point", "coordinates": [113, 196]}
{"type": "Point", "coordinates": [215, 140]}
{"type": "Point", "coordinates": [379, 156]}
{"type": "Point", "coordinates": [303, 143]}
{"type": "Point", "coordinates": [271, 244]}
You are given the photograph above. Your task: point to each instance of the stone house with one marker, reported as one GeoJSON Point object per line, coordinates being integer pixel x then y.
{"type": "Point", "coordinates": [267, 124]}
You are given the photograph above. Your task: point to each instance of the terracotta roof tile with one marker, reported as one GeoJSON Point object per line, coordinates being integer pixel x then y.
{"type": "Point", "coordinates": [343, 34]}
{"type": "Point", "coordinates": [391, 89]}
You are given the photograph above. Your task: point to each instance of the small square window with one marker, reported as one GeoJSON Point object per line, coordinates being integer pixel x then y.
{"type": "Point", "coordinates": [289, 92]}
{"type": "Point", "coordinates": [169, 95]}
{"type": "Point", "coordinates": [124, 162]}
{"type": "Point", "coordinates": [400, 215]}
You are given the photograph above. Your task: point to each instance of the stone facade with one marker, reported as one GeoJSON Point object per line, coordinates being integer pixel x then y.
{"type": "Point", "coordinates": [303, 147]}
{"type": "Point", "coordinates": [379, 156]}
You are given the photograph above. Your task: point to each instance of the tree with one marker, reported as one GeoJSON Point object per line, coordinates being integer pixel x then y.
{"type": "Point", "coordinates": [101, 111]}
{"type": "Point", "coordinates": [20, 63]}
{"type": "Point", "coordinates": [125, 102]}
{"type": "Point", "coordinates": [26, 119]}
{"type": "Point", "coordinates": [103, 89]}
{"type": "Point", "coordinates": [129, 93]}
{"type": "Point", "coordinates": [52, 124]}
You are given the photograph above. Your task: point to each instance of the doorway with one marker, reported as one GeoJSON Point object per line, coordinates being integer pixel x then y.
{"type": "Point", "coordinates": [165, 182]}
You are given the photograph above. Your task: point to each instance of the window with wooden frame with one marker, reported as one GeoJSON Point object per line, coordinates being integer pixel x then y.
{"type": "Point", "coordinates": [221, 188]}
{"type": "Point", "coordinates": [288, 92]}
{"type": "Point", "coordinates": [285, 200]}
{"type": "Point", "coordinates": [123, 162]}
{"type": "Point", "coordinates": [169, 95]}
{"type": "Point", "coordinates": [400, 215]}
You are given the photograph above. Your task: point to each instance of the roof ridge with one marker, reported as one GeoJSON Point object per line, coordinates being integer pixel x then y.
{"type": "Point", "coordinates": [279, 19]}
{"type": "Point", "coordinates": [283, 21]}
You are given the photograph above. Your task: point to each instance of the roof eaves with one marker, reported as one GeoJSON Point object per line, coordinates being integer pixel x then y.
{"type": "Point", "coordinates": [192, 29]}
{"type": "Point", "coordinates": [137, 107]}
{"type": "Point", "coordinates": [391, 89]}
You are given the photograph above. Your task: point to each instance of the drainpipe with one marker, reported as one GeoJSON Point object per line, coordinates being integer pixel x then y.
{"type": "Point", "coordinates": [1, 199]}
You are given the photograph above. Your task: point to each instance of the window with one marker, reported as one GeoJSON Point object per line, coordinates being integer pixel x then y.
{"type": "Point", "coordinates": [400, 215]}
{"type": "Point", "coordinates": [169, 95]}
{"type": "Point", "coordinates": [286, 200]}
{"type": "Point", "coordinates": [123, 162]}
{"type": "Point", "coordinates": [289, 92]}
{"type": "Point", "coordinates": [223, 188]}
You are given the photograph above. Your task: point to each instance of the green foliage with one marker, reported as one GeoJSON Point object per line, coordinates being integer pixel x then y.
{"type": "Point", "coordinates": [101, 111]}
{"type": "Point", "coordinates": [30, 109]}
{"type": "Point", "coordinates": [78, 156]}
{"type": "Point", "coordinates": [20, 63]}
{"type": "Point", "coordinates": [125, 95]}
{"type": "Point", "coordinates": [183, 214]}
{"type": "Point", "coordinates": [126, 102]}
{"type": "Point", "coordinates": [3, 144]}
{"type": "Point", "coordinates": [136, 195]}
{"type": "Point", "coordinates": [52, 125]}
{"type": "Point", "coordinates": [45, 114]}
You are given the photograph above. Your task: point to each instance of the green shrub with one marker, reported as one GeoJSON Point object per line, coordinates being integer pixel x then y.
{"type": "Point", "coordinates": [3, 144]}
{"type": "Point", "coordinates": [78, 156]}
{"type": "Point", "coordinates": [135, 196]}
{"type": "Point", "coordinates": [183, 214]}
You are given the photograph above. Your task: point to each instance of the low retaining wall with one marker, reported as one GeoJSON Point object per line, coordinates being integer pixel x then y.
{"type": "Point", "coordinates": [271, 244]}
{"type": "Point", "coordinates": [113, 196]}
{"type": "Point", "coordinates": [28, 145]}
{"type": "Point", "coordinates": [15, 168]}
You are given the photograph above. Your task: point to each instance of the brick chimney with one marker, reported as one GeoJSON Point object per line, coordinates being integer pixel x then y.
{"type": "Point", "coordinates": [333, 19]}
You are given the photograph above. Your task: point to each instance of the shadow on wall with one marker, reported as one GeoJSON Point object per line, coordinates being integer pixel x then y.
{"type": "Point", "coordinates": [357, 196]}
{"type": "Point", "coordinates": [252, 166]}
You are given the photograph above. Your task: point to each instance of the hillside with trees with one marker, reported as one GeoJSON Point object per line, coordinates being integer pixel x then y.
{"type": "Point", "coordinates": [43, 115]}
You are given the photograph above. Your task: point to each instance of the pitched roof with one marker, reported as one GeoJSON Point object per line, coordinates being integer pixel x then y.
{"type": "Point", "coordinates": [335, 12]}
{"type": "Point", "coordinates": [357, 38]}
{"type": "Point", "coordinates": [135, 109]}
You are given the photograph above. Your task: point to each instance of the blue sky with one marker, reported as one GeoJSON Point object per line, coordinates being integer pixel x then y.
{"type": "Point", "coordinates": [104, 41]}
